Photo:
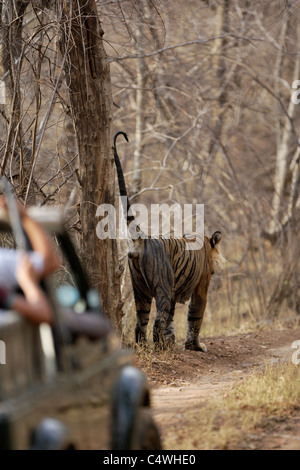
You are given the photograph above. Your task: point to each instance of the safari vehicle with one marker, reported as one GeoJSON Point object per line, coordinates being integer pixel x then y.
{"type": "Point", "coordinates": [70, 386]}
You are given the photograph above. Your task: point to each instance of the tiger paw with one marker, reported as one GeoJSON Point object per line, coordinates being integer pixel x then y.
{"type": "Point", "coordinates": [195, 347]}
{"type": "Point", "coordinates": [169, 338]}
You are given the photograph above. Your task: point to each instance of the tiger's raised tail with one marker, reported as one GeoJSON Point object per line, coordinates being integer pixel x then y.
{"type": "Point", "coordinates": [121, 179]}
{"type": "Point", "coordinates": [136, 234]}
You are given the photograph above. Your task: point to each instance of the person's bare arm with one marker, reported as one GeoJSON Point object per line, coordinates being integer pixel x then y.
{"type": "Point", "coordinates": [42, 243]}
{"type": "Point", "coordinates": [34, 306]}
{"type": "Point", "coordinates": [36, 313]}
{"type": "Point", "coordinates": [39, 240]}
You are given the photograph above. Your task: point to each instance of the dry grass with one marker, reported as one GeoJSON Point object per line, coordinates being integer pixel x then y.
{"type": "Point", "coordinates": [250, 406]}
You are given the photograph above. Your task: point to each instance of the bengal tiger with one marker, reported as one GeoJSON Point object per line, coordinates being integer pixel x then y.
{"type": "Point", "coordinates": [165, 270]}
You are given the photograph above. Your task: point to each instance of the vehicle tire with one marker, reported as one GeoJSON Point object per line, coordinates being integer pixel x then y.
{"type": "Point", "coordinates": [146, 433]}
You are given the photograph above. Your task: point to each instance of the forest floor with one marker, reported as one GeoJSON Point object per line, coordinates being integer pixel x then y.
{"type": "Point", "coordinates": [186, 385]}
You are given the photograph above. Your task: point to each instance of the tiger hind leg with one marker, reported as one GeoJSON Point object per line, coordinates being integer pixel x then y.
{"type": "Point", "coordinates": [169, 331]}
{"type": "Point", "coordinates": [143, 301]}
{"type": "Point", "coordinates": [163, 324]}
{"type": "Point", "coordinates": [142, 317]}
{"type": "Point", "coordinates": [158, 276]}
{"type": "Point", "coordinates": [195, 316]}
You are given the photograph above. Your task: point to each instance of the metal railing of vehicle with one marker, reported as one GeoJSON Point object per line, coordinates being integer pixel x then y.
{"type": "Point", "coordinates": [24, 366]}
{"type": "Point", "coordinates": [17, 229]}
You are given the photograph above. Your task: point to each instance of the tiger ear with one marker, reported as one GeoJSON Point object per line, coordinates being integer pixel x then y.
{"type": "Point", "coordinates": [215, 239]}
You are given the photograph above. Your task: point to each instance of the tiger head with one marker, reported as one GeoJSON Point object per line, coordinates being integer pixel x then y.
{"type": "Point", "coordinates": [218, 259]}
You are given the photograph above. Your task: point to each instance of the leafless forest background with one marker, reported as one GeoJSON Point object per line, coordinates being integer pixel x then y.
{"type": "Point", "coordinates": [204, 91]}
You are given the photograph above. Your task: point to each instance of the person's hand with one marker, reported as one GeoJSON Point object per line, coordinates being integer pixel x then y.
{"type": "Point", "coordinates": [35, 306]}
{"type": "Point", "coordinates": [25, 271]}
{"type": "Point", "coordinates": [3, 204]}
{"type": "Point", "coordinates": [21, 209]}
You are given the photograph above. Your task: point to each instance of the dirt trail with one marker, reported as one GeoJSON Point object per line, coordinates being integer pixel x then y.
{"type": "Point", "coordinates": [183, 380]}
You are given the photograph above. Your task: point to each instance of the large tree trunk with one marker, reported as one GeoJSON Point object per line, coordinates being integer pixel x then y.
{"type": "Point", "coordinates": [142, 76]}
{"type": "Point", "coordinates": [219, 66]}
{"type": "Point", "coordinates": [140, 112]}
{"type": "Point", "coordinates": [283, 156]}
{"type": "Point", "coordinates": [88, 78]}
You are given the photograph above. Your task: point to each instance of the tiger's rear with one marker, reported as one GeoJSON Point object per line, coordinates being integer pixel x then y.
{"type": "Point", "coordinates": [166, 271]}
